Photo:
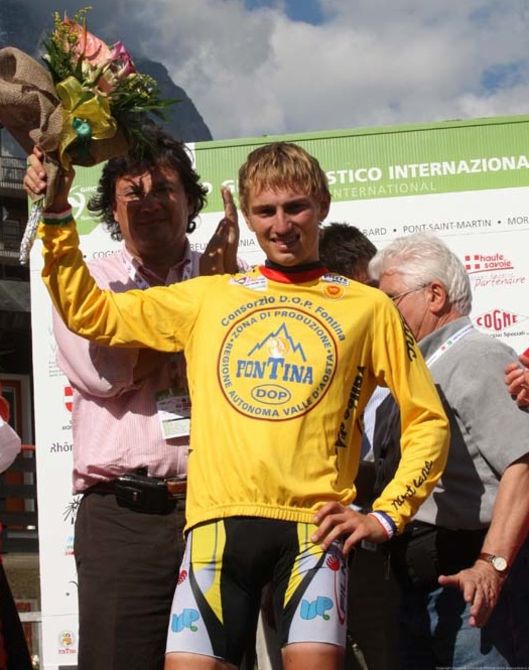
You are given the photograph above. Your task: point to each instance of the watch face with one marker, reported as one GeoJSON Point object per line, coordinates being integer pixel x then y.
{"type": "Point", "coordinates": [499, 563]}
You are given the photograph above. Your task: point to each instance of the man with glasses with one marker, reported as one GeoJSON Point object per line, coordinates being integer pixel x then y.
{"type": "Point", "coordinates": [462, 562]}
{"type": "Point", "coordinates": [131, 410]}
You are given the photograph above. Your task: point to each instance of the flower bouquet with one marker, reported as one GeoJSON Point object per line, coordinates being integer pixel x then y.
{"type": "Point", "coordinates": [87, 105]}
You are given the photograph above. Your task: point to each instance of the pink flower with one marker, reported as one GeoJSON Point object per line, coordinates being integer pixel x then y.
{"type": "Point", "coordinates": [93, 50]}
{"type": "Point", "coordinates": [120, 57]}
{"type": "Point", "coordinates": [118, 66]}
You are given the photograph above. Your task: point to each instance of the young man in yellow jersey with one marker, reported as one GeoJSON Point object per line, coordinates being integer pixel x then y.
{"type": "Point", "coordinates": [281, 361]}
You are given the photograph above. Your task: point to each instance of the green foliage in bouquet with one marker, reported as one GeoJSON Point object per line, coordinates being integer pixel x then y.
{"type": "Point", "coordinates": [99, 87]}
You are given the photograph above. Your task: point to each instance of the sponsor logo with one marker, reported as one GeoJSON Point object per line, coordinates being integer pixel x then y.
{"type": "Point", "coordinates": [77, 200]}
{"type": "Point", "coordinates": [333, 291]}
{"type": "Point", "coordinates": [59, 448]}
{"type": "Point", "coordinates": [318, 607]}
{"type": "Point", "coordinates": [186, 619]}
{"type": "Point", "coordinates": [498, 320]}
{"type": "Point", "coordinates": [486, 263]}
{"type": "Point", "coordinates": [336, 563]}
{"type": "Point", "coordinates": [66, 642]}
{"type": "Point", "coordinates": [70, 511]}
{"type": "Point", "coordinates": [68, 398]}
{"type": "Point", "coordinates": [489, 270]}
{"type": "Point", "coordinates": [68, 545]}
{"type": "Point", "coordinates": [276, 363]}
{"type": "Point", "coordinates": [253, 283]}
{"type": "Point", "coordinates": [336, 279]}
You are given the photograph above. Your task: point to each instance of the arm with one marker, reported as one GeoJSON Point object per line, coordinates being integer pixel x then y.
{"type": "Point", "coordinates": [425, 433]}
{"type": "Point", "coordinates": [517, 380]}
{"type": "Point", "coordinates": [10, 444]}
{"type": "Point", "coordinates": [481, 584]}
{"type": "Point", "coordinates": [131, 319]}
{"type": "Point", "coordinates": [99, 371]}
{"type": "Point", "coordinates": [397, 363]}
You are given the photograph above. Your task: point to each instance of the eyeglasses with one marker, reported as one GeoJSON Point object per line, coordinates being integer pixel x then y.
{"type": "Point", "coordinates": [397, 298]}
{"type": "Point", "coordinates": [133, 196]}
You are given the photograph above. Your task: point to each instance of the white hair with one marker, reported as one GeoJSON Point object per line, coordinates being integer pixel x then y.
{"type": "Point", "coordinates": [420, 259]}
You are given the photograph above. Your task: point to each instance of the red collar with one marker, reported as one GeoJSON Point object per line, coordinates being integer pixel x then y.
{"type": "Point", "coordinates": [292, 277]}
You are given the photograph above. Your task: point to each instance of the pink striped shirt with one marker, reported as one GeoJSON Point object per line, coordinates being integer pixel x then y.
{"type": "Point", "coordinates": [114, 419]}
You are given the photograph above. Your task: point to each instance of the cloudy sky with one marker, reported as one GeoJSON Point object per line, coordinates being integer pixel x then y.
{"type": "Point", "coordinates": [255, 67]}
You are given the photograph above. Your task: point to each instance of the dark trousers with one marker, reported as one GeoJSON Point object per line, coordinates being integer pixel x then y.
{"type": "Point", "coordinates": [14, 654]}
{"type": "Point", "coordinates": [127, 564]}
{"type": "Point", "coordinates": [372, 615]}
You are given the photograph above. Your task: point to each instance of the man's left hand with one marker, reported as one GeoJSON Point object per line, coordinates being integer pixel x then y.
{"type": "Point", "coordinates": [481, 586]}
{"type": "Point", "coordinates": [517, 380]}
{"type": "Point", "coordinates": [334, 521]}
{"type": "Point", "coordinates": [220, 256]}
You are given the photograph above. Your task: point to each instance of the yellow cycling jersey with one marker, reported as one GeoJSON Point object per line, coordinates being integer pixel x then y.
{"type": "Point", "coordinates": [279, 374]}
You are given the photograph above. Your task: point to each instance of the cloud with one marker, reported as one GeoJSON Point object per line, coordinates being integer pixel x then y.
{"type": "Point", "coordinates": [254, 71]}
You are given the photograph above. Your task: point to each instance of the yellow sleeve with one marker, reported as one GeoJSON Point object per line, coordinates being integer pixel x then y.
{"type": "Point", "coordinates": [399, 364]}
{"type": "Point", "coordinates": [158, 318]}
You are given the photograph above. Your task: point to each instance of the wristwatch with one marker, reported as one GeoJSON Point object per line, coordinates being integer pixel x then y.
{"type": "Point", "coordinates": [499, 563]}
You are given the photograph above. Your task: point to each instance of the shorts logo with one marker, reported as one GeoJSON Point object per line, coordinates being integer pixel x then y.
{"type": "Point", "coordinates": [276, 363]}
{"type": "Point", "coordinates": [318, 607]}
{"type": "Point", "coordinates": [336, 563]}
{"type": "Point", "coordinates": [185, 620]}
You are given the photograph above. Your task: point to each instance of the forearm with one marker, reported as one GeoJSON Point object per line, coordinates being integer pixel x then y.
{"type": "Point", "coordinates": [424, 452]}
{"type": "Point", "coordinates": [510, 517]}
{"type": "Point", "coordinates": [100, 316]}
{"type": "Point", "coordinates": [157, 318]}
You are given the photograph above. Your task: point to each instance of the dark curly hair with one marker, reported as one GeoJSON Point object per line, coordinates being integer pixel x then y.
{"type": "Point", "coordinates": [162, 149]}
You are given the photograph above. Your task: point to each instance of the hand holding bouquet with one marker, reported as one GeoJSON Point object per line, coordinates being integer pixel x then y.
{"type": "Point", "coordinates": [88, 106]}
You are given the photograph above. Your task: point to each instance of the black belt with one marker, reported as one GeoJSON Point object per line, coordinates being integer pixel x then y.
{"type": "Point", "coordinates": [142, 493]}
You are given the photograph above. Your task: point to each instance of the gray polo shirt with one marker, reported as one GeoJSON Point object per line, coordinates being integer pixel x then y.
{"type": "Point", "coordinates": [489, 431]}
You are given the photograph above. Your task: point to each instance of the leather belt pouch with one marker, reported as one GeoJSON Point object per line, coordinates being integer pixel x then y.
{"type": "Point", "coordinates": [143, 494]}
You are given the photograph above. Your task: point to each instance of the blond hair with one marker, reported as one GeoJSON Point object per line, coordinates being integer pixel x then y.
{"type": "Point", "coordinates": [281, 165]}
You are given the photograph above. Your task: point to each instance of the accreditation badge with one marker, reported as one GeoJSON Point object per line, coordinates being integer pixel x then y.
{"type": "Point", "coordinates": [174, 412]}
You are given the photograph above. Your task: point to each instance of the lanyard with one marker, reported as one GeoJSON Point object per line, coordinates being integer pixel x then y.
{"type": "Point", "coordinates": [445, 346]}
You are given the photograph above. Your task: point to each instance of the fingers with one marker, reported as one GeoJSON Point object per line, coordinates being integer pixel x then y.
{"type": "Point", "coordinates": [479, 588]}
{"type": "Point", "coordinates": [514, 380]}
{"type": "Point", "coordinates": [335, 521]}
{"type": "Point", "coordinates": [522, 399]}
{"type": "Point", "coordinates": [230, 211]}
{"type": "Point", "coordinates": [512, 372]}
{"type": "Point", "coordinates": [448, 580]}
{"type": "Point", "coordinates": [35, 178]}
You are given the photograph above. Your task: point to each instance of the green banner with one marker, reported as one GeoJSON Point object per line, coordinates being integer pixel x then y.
{"type": "Point", "coordinates": [393, 161]}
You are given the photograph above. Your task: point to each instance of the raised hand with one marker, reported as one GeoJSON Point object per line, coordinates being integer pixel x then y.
{"type": "Point", "coordinates": [220, 256]}
{"type": "Point", "coordinates": [36, 181]}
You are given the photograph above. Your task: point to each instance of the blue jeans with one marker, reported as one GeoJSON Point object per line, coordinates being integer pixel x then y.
{"type": "Point", "coordinates": [435, 633]}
